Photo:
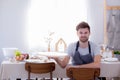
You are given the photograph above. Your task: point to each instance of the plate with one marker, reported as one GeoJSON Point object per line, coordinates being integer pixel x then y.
{"type": "Point", "coordinates": [35, 61]}
{"type": "Point", "coordinates": [111, 59]}
{"type": "Point", "coordinates": [39, 61]}
{"type": "Point", "coordinates": [41, 57]}
{"type": "Point", "coordinates": [58, 54]}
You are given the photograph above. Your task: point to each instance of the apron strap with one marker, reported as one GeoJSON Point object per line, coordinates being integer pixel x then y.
{"type": "Point", "coordinates": [77, 46]}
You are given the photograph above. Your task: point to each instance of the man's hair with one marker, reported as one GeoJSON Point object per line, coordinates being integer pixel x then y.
{"type": "Point", "coordinates": [82, 25]}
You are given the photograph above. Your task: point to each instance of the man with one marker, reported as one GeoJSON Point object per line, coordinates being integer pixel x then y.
{"type": "Point", "coordinates": [84, 53]}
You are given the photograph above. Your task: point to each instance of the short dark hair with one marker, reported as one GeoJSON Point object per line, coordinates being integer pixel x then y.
{"type": "Point", "coordinates": [82, 25]}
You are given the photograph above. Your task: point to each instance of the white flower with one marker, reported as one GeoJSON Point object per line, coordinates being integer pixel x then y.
{"type": "Point", "coordinates": [49, 38]}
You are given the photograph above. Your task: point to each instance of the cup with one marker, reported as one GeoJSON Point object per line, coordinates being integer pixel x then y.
{"type": "Point", "coordinates": [109, 54]}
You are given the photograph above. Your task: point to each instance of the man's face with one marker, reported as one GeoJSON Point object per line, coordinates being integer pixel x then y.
{"type": "Point", "coordinates": [83, 34]}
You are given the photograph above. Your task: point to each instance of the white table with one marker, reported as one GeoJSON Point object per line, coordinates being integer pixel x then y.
{"type": "Point", "coordinates": [15, 70]}
{"type": "Point", "coordinates": [110, 69]}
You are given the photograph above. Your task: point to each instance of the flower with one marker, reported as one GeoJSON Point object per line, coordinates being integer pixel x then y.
{"type": "Point", "coordinates": [48, 39]}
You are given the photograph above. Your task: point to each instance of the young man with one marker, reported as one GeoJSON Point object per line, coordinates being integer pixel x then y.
{"type": "Point", "coordinates": [83, 52]}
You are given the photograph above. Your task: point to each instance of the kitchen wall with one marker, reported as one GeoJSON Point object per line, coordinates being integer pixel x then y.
{"type": "Point", "coordinates": [13, 14]}
{"type": "Point", "coordinates": [12, 24]}
{"type": "Point", "coordinates": [96, 18]}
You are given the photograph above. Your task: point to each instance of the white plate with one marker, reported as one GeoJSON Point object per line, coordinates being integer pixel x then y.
{"type": "Point", "coordinates": [35, 60]}
{"type": "Point", "coordinates": [58, 54]}
{"type": "Point", "coordinates": [111, 59]}
{"type": "Point", "coordinates": [41, 57]}
{"type": "Point", "coordinates": [39, 61]}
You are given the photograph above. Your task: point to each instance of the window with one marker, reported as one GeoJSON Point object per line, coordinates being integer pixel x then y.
{"type": "Point", "coordinates": [57, 16]}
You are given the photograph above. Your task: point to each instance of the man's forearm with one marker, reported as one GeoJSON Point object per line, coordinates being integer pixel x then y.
{"type": "Point", "coordinates": [61, 63]}
{"type": "Point", "coordinates": [90, 65]}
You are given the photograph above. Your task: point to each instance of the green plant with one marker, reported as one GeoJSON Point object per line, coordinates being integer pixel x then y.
{"type": "Point", "coordinates": [117, 52]}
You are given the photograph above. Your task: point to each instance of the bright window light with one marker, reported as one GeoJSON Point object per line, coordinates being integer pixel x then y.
{"type": "Point", "coordinates": [57, 16]}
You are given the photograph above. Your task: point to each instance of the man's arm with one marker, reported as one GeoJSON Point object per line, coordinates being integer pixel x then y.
{"type": "Point", "coordinates": [62, 62]}
{"type": "Point", "coordinates": [96, 63]}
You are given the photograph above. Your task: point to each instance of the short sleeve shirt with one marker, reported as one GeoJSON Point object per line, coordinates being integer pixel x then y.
{"type": "Point", "coordinates": [95, 50]}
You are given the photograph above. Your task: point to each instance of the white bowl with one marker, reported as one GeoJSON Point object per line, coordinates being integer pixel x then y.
{"type": "Point", "coordinates": [9, 52]}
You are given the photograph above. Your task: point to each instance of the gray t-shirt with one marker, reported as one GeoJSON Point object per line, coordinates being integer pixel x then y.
{"type": "Point", "coordinates": [83, 51]}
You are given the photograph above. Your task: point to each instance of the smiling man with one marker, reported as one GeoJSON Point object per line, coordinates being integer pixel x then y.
{"type": "Point", "coordinates": [83, 52]}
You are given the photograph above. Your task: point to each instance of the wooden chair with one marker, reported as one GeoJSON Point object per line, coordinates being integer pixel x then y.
{"type": "Point", "coordinates": [83, 73]}
{"type": "Point", "coordinates": [40, 68]}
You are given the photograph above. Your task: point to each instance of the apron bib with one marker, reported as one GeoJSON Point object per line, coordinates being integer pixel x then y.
{"type": "Point", "coordinates": [82, 59]}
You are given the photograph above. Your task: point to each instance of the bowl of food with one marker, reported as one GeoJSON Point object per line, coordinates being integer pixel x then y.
{"type": "Point", "coordinates": [21, 56]}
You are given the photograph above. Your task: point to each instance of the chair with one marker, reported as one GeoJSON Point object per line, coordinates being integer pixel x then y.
{"type": "Point", "coordinates": [83, 73]}
{"type": "Point", "coordinates": [40, 68]}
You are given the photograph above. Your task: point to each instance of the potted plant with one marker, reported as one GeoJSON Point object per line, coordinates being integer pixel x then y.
{"type": "Point", "coordinates": [117, 54]}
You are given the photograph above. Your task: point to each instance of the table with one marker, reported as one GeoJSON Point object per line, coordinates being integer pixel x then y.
{"type": "Point", "coordinates": [110, 69]}
{"type": "Point", "coordinates": [13, 70]}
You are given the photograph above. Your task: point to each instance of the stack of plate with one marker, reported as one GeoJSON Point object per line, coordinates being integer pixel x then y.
{"type": "Point", "coordinates": [111, 59]}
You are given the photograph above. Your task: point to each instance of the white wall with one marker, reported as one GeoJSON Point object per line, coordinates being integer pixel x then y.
{"type": "Point", "coordinates": [12, 24]}
{"type": "Point", "coordinates": [96, 18]}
